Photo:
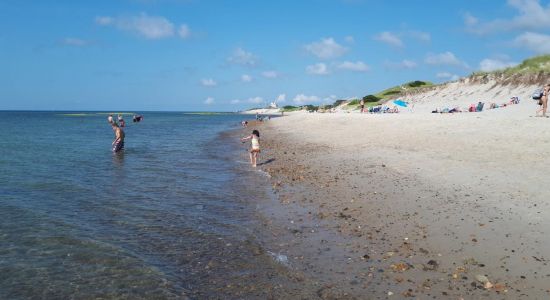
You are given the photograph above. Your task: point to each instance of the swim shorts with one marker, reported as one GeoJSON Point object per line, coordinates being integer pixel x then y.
{"type": "Point", "coordinates": [118, 146]}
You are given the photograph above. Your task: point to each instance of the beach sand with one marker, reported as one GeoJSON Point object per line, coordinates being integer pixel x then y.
{"type": "Point", "coordinates": [412, 205]}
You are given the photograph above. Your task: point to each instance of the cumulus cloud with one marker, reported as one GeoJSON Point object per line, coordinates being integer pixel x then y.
{"type": "Point", "coordinates": [419, 35]}
{"type": "Point", "coordinates": [470, 20]}
{"type": "Point", "coordinates": [357, 66]}
{"type": "Point", "coordinates": [281, 98]}
{"type": "Point", "coordinates": [243, 58]}
{"type": "Point", "coordinates": [489, 65]}
{"type": "Point", "coordinates": [270, 74]}
{"type": "Point", "coordinates": [448, 76]}
{"type": "Point", "coordinates": [302, 99]}
{"type": "Point", "coordinates": [104, 21]}
{"type": "Point", "coordinates": [445, 58]}
{"type": "Point", "coordinates": [184, 31]}
{"type": "Point", "coordinates": [75, 42]}
{"type": "Point", "coordinates": [536, 42]}
{"type": "Point", "coordinates": [531, 15]}
{"type": "Point", "coordinates": [326, 49]}
{"type": "Point", "coordinates": [404, 64]}
{"type": "Point", "coordinates": [149, 27]}
{"type": "Point", "coordinates": [330, 98]}
{"type": "Point", "coordinates": [235, 101]}
{"type": "Point", "coordinates": [209, 101]}
{"type": "Point", "coordinates": [255, 100]}
{"type": "Point", "coordinates": [318, 69]}
{"type": "Point", "coordinates": [208, 82]}
{"type": "Point", "coordinates": [389, 38]}
{"type": "Point", "coordinates": [246, 78]}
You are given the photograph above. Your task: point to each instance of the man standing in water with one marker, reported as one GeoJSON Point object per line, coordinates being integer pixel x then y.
{"type": "Point", "coordinates": [118, 143]}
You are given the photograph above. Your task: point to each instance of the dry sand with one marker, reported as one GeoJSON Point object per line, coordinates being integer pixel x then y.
{"type": "Point", "coordinates": [413, 205]}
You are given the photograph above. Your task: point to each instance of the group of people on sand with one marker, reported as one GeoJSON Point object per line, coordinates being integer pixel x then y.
{"type": "Point", "coordinates": [480, 106]}
{"type": "Point", "coordinates": [382, 109]}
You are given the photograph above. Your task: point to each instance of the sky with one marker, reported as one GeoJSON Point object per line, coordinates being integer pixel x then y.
{"type": "Point", "coordinates": [206, 55]}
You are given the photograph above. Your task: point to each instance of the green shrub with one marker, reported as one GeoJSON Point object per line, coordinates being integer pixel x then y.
{"type": "Point", "coordinates": [371, 98]}
{"type": "Point", "coordinates": [338, 102]}
{"type": "Point", "coordinates": [354, 102]}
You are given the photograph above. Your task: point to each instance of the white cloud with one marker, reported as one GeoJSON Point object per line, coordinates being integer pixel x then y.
{"type": "Point", "coordinates": [318, 69]}
{"type": "Point", "coordinates": [330, 98]}
{"type": "Point", "coordinates": [445, 58]}
{"type": "Point", "coordinates": [235, 101]}
{"type": "Point", "coordinates": [208, 82]}
{"type": "Point", "coordinates": [489, 65]}
{"type": "Point", "coordinates": [281, 98]}
{"type": "Point", "coordinates": [349, 39]}
{"type": "Point", "coordinates": [536, 42]}
{"type": "Point", "coordinates": [302, 99]}
{"type": "Point", "coordinates": [104, 21]}
{"type": "Point", "coordinates": [75, 42]}
{"type": "Point", "coordinates": [419, 35]}
{"type": "Point", "coordinates": [184, 31]}
{"type": "Point", "coordinates": [270, 74]}
{"type": "Point", "coordinates": [447, 75]}
{"type": "Point", "coordinates": [470, 20]}
{"type": "Point", "coordinates": [255, 100]}
{"type": "Point", "coordinates": [531, 15]}
{"type": "Point", "coordinates": [404, 64]}
{"type": "Point", "coordinates": [389, 38]}
{"type": "Point", "coordinates": [357, 66]}
{"type": "Point", "coordinates": [243, 58]}
{"type": "Point", "coordinates": [209, 101]}
{"type": "Point", "coordinates": [326, 49]}
{"type": "Point", "coordinates": [246, 78]}
{"type": "Point", "coordinates": [149, 27]}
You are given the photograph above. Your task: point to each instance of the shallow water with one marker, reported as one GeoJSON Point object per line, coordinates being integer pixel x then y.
{"type": "Point", "coordinates": [170, 217]}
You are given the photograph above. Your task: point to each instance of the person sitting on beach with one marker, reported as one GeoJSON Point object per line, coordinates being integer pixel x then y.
{"type": "Point", "coordinates": [479, 106]}
{"type": "Point", "coordinates": [255, 146]}
{"type": "Point", "coordinates": [455, 110]}
{"type": "Point", "coordinates": [118, 142]}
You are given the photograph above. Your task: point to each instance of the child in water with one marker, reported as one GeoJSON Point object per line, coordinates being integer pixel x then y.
{"type": "Point", "coordinates": [255, 143]}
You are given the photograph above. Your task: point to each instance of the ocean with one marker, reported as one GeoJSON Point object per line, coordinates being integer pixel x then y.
{"type": "Point", "coordinates": [171, 217]}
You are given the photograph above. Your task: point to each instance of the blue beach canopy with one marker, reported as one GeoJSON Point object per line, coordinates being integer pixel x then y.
{"type": "Point", "coordinates": [400, 103]}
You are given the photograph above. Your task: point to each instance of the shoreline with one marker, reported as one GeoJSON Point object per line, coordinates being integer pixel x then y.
{"type": "Point", "coordinates": [401, 212]}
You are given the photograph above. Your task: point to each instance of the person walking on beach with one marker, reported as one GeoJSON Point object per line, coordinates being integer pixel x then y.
{"type": "Point", "coordinates": [543, 102]}
{"type": "Point", "coordinates": [362, 105]}
{"type": "Point", "coordinates": [255, 146]}
{"type": "Point", "coordinates": [118, 142]}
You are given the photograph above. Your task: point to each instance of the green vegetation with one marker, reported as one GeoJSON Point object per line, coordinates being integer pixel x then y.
{"type": "Point", "coordinates": [290, 108]}
{"type": "Point", "coordinates": [534, 65]}
{"type": "Point", "coordinates": [371, 98]}
{"type": "Point", "coordinates": [397, 90]}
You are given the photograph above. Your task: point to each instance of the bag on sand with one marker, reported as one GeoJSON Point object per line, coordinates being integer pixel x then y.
{"type": "Point", "coordinates": [537, 94]}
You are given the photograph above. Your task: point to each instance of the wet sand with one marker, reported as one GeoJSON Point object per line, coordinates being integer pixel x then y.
{"type": "Point", "coordinates": [411, 205]}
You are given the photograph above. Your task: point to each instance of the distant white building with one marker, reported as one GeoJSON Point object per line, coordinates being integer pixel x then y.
{"type": "Point", "coordinates": [273, 105]}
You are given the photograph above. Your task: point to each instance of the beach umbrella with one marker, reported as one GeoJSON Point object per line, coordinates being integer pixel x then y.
{"type": "Point", "coordinates": [400, 103]}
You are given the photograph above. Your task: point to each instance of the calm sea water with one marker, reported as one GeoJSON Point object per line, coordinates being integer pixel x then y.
{"type": "Point", "coordinates": [168, 218]}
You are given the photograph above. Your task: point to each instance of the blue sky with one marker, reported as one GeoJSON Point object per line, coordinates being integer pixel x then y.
{"type": "Point", "coordinates": [229, 55]}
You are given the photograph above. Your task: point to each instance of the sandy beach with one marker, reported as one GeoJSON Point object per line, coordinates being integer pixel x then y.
{"type": "Point", "coordinates": [413, 204]}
